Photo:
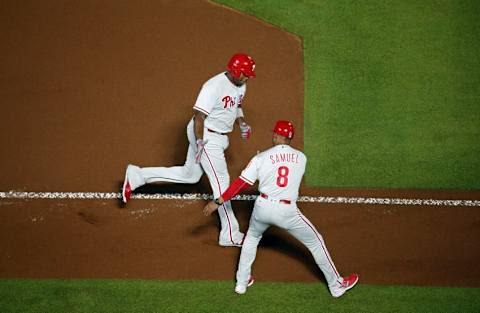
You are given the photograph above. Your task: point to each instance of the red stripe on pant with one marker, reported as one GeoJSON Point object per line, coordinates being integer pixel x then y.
{"type": "Point", "coordinates": [321, 243]}
{"type": "Point", "coordinates": [220, 190]}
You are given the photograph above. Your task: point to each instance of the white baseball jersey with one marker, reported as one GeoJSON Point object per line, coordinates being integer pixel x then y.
{"type": "Point", "coordinates": [279, 169]}
{"type": "Point", "coordinates": [220, 100]}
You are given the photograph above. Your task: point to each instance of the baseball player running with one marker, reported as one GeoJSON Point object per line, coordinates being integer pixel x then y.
{"type": "Point", "coordinates": [218, 106]}
{"type": "Point", "coordinates": [279, 170]}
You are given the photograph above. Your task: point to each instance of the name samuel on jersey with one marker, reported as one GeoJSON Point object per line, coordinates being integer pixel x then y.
{"type": "Point", "coordinates": [284, 158]}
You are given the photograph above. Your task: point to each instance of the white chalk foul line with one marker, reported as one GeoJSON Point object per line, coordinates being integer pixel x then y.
{"type": "Point", "coordinates": [198, 196]}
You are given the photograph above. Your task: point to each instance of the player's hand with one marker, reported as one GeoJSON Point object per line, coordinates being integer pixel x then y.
{"type": "Point", "coordinates": [200, 146]}
{"type": "Point", "coordinates": [246, 130]}
{"type": "Point", "coordinates": [210, 208]}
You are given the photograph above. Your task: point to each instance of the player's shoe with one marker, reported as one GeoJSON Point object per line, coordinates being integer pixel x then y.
{"type": "Point", "coordinates": [126, 189]}
{"type": "Point", "coordinates": [347, 284]}
{"type": "Point", "coordinates": [242, 289]}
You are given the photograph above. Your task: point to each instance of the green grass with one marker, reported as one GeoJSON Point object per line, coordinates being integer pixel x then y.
{"type": "Point", "coordinates": [392, 95]}
{"type": "Point", "coordinates": [187, 296]}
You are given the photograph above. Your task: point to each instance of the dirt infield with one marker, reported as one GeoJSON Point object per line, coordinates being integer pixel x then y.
{"type": "Point", "coordinates": [88, 87]}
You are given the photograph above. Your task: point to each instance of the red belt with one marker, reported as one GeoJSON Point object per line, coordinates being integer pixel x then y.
{"type": "Point", "coordinates": [212, 131]}
{"type": "Point", "coordinates": [281, 201]}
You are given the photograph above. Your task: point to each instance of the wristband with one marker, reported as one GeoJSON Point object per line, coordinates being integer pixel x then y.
{"type": "Point", "coordinates": [217, 201]}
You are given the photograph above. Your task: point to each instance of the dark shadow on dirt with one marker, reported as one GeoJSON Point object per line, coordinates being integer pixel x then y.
{"type": "Point", "coordinates": [278, 240]}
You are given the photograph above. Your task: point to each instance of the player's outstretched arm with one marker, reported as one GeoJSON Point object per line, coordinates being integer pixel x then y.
{"type": "Point", "coordinates": [198, 121]}
{"type": "Point", "coordinates": [234, 189]}
{"type": "Point", "coordinates": [198, 124]}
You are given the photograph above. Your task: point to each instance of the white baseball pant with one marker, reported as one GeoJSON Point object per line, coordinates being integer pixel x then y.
{"type": "Point", "coordinates": [215, 166]}
{"type": "Point", "coordinates": [268, 212]}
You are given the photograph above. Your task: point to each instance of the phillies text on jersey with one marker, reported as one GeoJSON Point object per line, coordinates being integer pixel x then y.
{"type": "Point", "coordinates": [220, 100]}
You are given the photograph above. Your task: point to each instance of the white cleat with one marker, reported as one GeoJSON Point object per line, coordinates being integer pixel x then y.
{"type": "Point", "coordinates": [242, 289]}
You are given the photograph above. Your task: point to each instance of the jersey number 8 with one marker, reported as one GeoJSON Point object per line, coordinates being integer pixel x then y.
{"type": "Point", "coordinates": [282, 179]}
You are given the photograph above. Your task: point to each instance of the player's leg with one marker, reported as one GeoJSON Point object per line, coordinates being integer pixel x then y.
{"type": "Point", "coordinates": [189, 173]}
{"type": "Point", "coordinates": [302, 229]}
{"type": "Point", "coordinates": [215, 166]}
{"type": "Point", "coordinates": [249, 251]}
{"type": "Point", "coordinates": [230, 235]}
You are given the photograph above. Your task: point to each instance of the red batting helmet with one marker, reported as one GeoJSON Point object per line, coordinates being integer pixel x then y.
{"type": "Point", "coordinates": [284, 128]}
{"type": "Point", "coordinates": [241, 63]}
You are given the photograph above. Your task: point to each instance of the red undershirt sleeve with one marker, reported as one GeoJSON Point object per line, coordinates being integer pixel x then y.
{"type": "Point", "coordinates": [235, 188]}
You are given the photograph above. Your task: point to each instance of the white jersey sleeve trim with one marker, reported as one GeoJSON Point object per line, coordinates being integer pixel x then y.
{"type": "Point", "coordinates": [201, 110]}
{"type": "Point", "coordinates": [248, 181]}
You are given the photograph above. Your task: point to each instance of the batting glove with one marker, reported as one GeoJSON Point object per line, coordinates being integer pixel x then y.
{"type": "Point", "coordinates": [200, 146]}
{"type": "Point", "coordinates": [246, 130]}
